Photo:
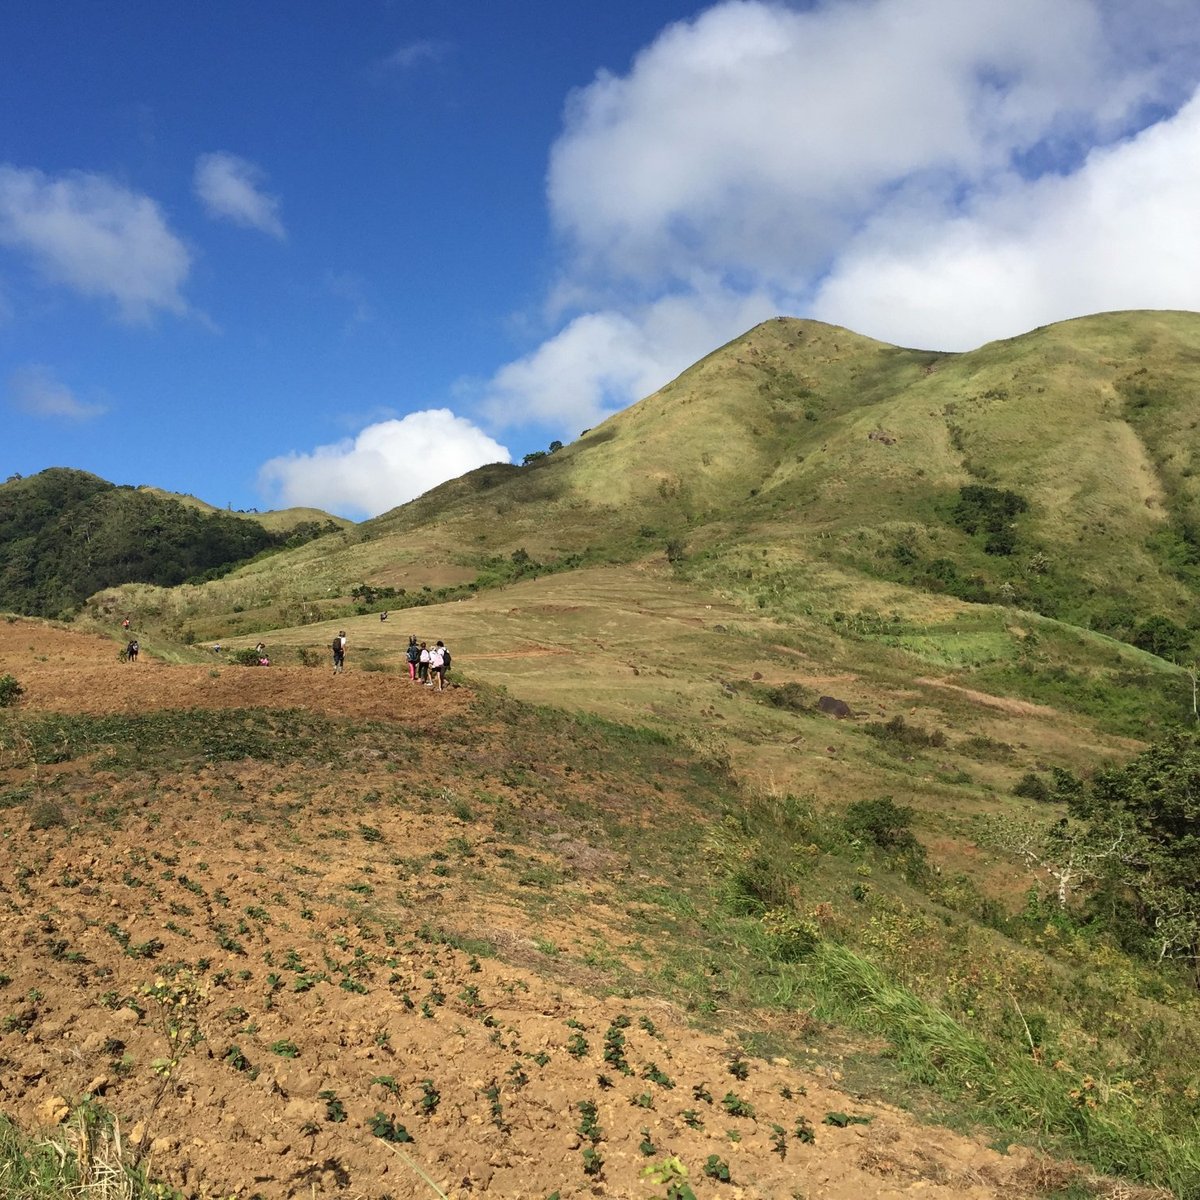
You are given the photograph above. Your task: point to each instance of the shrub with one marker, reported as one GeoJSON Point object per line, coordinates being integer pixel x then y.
{"type": "Point", "coordinates": [791, 696]}
{"type": "Point", "coordinates": [1033, 787]}
{"type": "Point", "coordinates": [900, 733]}
{"type": "Point", "coordinates": [883, 823]}
{"type": "Point", "coordinates": [10, 691]}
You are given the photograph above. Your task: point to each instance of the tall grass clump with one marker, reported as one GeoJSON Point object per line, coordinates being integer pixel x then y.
{"type": "Point", "coordinates": [1104, 1121]}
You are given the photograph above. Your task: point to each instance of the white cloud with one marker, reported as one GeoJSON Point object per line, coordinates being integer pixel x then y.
{"type": "Point", "coordinates": [755, 137]}
{"type": "Point", "coordinates": [928, 170]}
{"type": "Point", "coordinates": [602, 360]}
{"type": "Point", "coordinates": [35, 390]}
{"type": "Point", "coordinates": [1122, 232]}
{"type": "Point", "coordinates": [387, 464]}
{"type": "Point", "coordinates": [412, 54]}
{"type": "Point", "coordinates": [96, 237]}
{"type": "Point", "coordinates": [228, 187]}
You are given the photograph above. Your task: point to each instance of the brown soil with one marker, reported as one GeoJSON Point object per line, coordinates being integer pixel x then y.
{"type": "Point", "coordinates": [274, 912]}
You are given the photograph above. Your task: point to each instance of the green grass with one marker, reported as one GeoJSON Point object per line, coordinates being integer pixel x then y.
{"type": "Point", "coordinates": [84, 1158]}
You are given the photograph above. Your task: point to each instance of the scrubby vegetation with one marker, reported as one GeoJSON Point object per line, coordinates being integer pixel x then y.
{"type": "Point", "coordinates": [66, 534]}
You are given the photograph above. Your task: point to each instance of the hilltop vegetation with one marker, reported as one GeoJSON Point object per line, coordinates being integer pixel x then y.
{"type": "Point", "coordinates": [65, 534]}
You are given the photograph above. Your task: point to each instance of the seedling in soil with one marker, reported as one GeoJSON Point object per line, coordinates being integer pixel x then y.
{"type": "Point", "coordinates": [470, 996]}
{"type": "Point", "coordinates": [385, 1127]}
{"type": "Point", "coordinates": [804, 1131]}
{"type": "Point", "coordinates": [426, 1011]}
{"type": "Point", "coordinates": [593, 1164]}
{"type": "Point", "coordinates": [335, 1110]}
{"type": "Point", "coordinates": [717, 1168]}
{"type": "Point", "coordinates": [700, 1092]}
{"type": "Point", "coordinates": [285, 1049]}
{"type": "Point", "coordinates": [841, 1120]}
{"type": "Point", "coordinates": [691, 1118]}
{"type": "Point", "coordinates": [541, 1058]}
{"type": "Point", "coordinates": [791, 1093]}
{"type": "Point", "coordinates": [236, 1059]}
{"type": "Point", "coordinates": [603, 1082]}
{"type": "Point", "coordinates": [577, 1047]}
{"type": "Point", "coordinates": [779, 1141]}
{"type": "Point", "coordinates": [517, 1075]}
{"type": "Point", "coordinates": [388, 1083]}
{"type": "Point", "coordinates": [614, 1048]}
{"type": "Point", "coordinates": [674, 1174]}
{"type": "Point", "coordinates": [739, 1068]}
{"type": "Point", "coordinates": [646, 1145]}
{"type": "Point", "coordinates": [430, 1098]}
{"type": "Point", "coordinates": [735, 1106]}
{"type": "Point", "coordinates": [645, 1100]}
{"type": "Point", "coordinates": [492, 1092]}
{"type": "Point", "coordinates": [588, 1126]}
{"type": "Point", "coordinates": [653, 1074]}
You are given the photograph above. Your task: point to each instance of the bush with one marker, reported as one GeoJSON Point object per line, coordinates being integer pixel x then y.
{"type": "Point", "coordinates": [10, 691]}
{"type": "Point", "coordinates": [792, 696]}
{"type": "Point", "coordinates": [899, 732]}
{"type": "Point", "coordinates": [882, 822]}
{"type": "Point", "coordinates": [1033, 787]}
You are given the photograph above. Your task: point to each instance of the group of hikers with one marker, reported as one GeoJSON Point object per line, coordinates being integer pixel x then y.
{"type": "Point", "coordinates": [426, 665]}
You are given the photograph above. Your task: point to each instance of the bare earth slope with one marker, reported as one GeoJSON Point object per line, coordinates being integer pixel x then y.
{"type": "Point", "coordinates": [262, 965]}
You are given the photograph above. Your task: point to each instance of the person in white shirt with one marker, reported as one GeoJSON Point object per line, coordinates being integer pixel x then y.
{"type": "Point", "coordinates": [437, 667]}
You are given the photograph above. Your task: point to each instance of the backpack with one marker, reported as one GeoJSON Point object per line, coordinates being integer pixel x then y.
{"type": "Point", "coordinates": [337, 645]}
{"type": "Point", "coordinates": [445, 659]}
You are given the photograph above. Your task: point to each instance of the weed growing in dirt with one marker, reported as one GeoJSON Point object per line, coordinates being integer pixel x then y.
{"type": "Point", "coordinates": [385, 1127]}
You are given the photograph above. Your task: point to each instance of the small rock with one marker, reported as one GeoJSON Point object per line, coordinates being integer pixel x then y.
{"type": "Point", "coordinates": [98, 1085]}
{"type": "Point", "coordinates": [53, 1111]}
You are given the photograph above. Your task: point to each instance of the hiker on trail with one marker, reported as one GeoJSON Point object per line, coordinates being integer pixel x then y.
{"type": "Point", "coordinates": [437, 666]}
{"type": "Point", "coordinates": [263, 658]}
{"type": "Point", "coordinates": [339, 652]}
{"type": "Point", "coordinates": [131, 651]}
{"type": "Point", "coordinates": [423, 664]}
{"type": "Point", "coordinates": [383, 615]}
{"type": "Point", "coordinates": [413, 656]}
{"type": "Point", "coordinates": [125, 623]}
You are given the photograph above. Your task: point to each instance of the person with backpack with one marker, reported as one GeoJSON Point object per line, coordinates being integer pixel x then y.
{"type": "Point", "coordinates": [339, 652]}
{"type": "Point", "coordinates": [423, 664]}
{"type": "Point", "coordinates": [413, 656]}
{"type": "Point", "coordinates": [131, 651]}
{"type": "Point", "coordinates": [437, 667]}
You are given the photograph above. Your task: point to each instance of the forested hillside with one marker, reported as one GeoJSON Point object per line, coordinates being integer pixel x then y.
{"type": "Point", "coordinates": [65, 534]}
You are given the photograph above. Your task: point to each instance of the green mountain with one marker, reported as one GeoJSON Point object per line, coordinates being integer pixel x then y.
{"type": "Point", "coordinates": [66, 534]}
{"type": "Point", "coordinates": [1052, 472]}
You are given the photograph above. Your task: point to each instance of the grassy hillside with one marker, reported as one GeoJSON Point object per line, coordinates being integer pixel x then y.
{"type": "Point", "coordinates": [284, 520]}
{"type": "Point", "coordinates": [801, 444]}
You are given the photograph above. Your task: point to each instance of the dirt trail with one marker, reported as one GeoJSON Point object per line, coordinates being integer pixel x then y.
{"type": "Point", "coordinates": [236, 902]}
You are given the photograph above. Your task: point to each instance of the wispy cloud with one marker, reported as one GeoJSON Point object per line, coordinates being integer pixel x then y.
{"type": "Point", "coordinates": [926, 171]}
{"type": "Point", "coordinates": [386, 464]}
{"type": "Point", "coordinates": [96, 237]}
{"type": "Point", "coordinates": [36, 391]}
{"type": "Point", "coordinates": [413, 54]}
{"type": "Point", "coordinates": [229, 188]}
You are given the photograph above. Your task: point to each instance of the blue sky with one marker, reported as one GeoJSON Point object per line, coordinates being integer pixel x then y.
{"type": "Point", "coordinates": [299, 253]}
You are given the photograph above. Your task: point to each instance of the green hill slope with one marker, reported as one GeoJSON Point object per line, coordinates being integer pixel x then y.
{"type": "Point", "coordinates": [65, 534]}
{"type": "Point", "coordinates": [801, 444]}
